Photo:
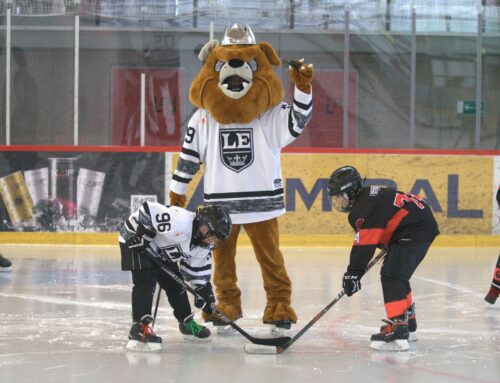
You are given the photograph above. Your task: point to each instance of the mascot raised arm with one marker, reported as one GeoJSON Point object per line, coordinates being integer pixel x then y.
{"type": "Point", "coordinates": [237, 133]}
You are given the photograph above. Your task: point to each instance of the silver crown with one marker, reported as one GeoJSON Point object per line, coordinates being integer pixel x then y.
{"type": "Point", "coordinates": [238, 35]}
{"type": "Point", "coordinates": [237, 160]}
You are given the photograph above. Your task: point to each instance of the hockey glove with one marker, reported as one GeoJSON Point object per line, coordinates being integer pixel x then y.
{"type": "Point", "coordinates": [351, 282]}
{"type": "Point", "coordinates": [207, 304]}
{"type": "Point", "coordinates": [143, 236]}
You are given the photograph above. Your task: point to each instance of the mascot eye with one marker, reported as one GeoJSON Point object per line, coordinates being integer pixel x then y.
{"type": "Point", "coordinates": [253, 65]}
{"type": "Point", "coordinates": [219, 65]}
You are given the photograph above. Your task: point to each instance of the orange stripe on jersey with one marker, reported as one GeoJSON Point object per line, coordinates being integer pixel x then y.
{"type": "Point", "coordinates": [392, 225]}
{"type": "Point", "coordinates": [368, 237]}
{"type": "Point", "coordinates": [409, 299]}
{"type": "Point", "coordinates": [395, 308]}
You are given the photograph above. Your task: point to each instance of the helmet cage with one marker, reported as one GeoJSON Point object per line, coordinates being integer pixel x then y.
{"type": "Point", "coordinates": [341, 202]}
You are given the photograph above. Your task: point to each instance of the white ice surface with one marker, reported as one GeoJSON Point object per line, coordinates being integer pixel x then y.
{"type": "Point", "coordinates": [65, 316]}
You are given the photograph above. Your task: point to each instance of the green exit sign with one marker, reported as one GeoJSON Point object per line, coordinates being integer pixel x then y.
{"type": "Point", "coordinates": [468, 107]}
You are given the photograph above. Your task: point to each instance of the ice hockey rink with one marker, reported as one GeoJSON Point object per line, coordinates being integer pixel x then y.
{"type": "Point", "coordinates": [65, 316]}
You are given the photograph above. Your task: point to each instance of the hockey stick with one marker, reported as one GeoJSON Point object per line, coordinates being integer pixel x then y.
{"type": "Point", "coordinates": [156, 307]}
{"type": "Point", "coordinates": [282, 348]}
{"type": "Point", "coordinates": [262, 341]}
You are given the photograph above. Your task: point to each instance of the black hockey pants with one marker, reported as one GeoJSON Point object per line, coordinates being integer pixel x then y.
{"type": "Point", "coordinates": [144, 289]}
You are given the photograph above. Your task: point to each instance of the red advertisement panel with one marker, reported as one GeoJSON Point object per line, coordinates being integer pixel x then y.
{"type": "Point", "coordinates": [163, 106]}
{"type": "Point", "coordinates": [326, 128]}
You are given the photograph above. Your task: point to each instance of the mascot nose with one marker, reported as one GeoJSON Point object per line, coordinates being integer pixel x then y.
{"type": "Point", "coordinates": [235, 63]}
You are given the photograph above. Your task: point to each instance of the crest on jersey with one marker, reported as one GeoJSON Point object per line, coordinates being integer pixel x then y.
{"type": "Point", "coordinates": [172, 253]}
{"type": "Point", "coordinates": [236, 148]}
{"type": "Point", "coordinates": [359, 223]}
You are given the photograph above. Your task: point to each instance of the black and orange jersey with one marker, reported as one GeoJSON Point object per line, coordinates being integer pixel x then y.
{"type": "Point", "coordinates": [383, 216]}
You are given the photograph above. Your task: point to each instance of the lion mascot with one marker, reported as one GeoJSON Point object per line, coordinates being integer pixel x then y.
{"type": "Point", "coordinates": [237, 133]}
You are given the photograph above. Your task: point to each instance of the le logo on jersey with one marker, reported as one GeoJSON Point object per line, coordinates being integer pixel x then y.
{"type": "Point", "coordinates": [236, 148]}
{"type": "Point", "coordinates": [172, 253]}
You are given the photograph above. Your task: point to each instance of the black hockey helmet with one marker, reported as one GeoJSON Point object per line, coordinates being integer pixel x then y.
{"type": "Point", "coordinates": [218, 222]}
{"type": "Point", "coordinates": [343, 187]}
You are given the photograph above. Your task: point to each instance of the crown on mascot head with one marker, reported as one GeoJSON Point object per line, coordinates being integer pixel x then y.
{"type": "Point", "coordinates": [238, 35]}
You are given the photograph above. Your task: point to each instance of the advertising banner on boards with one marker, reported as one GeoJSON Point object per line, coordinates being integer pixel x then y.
{"type": "Point", "coordinates": [458, 189]}
{"type": "Point", "coordinates": [79, 192]}
{"type": "Point", "coordinates": [97, 191]}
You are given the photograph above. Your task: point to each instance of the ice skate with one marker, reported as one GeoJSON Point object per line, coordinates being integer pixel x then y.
{"type": "Point", "coordinates": [193, 331]}
{"type": "Point", "coordinates": [221, 326]}
{"type": "Point", "coordinates": [277, 328]}
{"type": "Point", "coordinates": [492, 295]}
{"type": "Point", "coordinates": [412, 324]}
{"type": "Point", "coordinates": [393, 336]}
{"type": "Point", "coordinates": [5, 264]}
{"type": "Point", "coordinates": [141, 336]}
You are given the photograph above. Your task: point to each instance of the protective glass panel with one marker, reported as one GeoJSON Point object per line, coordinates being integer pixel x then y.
{"type": "Point", "coordinates": [3, 56]}
{"type": "Point", "coordinates": [42, 70]}
{"type": "Point", "coordinates": [490, 117]}
{"type": "Point", "coordinates": [446, 81]}
{"type": "Point", "coordinates": [381, 59]}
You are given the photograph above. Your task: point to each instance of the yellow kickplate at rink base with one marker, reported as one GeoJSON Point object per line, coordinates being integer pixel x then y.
{"type": "Point", "coordinates": [59, 238]}
{"type": "Point", "coordinates": [286, 240]}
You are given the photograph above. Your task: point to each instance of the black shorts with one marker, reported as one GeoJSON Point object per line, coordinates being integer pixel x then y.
{"type": "Point", "coordinates": [403, 258]}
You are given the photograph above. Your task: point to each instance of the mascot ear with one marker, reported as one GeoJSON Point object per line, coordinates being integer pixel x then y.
{"type": "Point", "coordinates": [207, 48]}
{"type": "Point", "coordinates": [271, 54]}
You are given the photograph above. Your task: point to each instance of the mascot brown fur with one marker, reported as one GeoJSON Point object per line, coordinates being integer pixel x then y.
{"type": "Point", "coordinates": [265, 92]}
{"type": "Point", "coordinates": [233, 102]}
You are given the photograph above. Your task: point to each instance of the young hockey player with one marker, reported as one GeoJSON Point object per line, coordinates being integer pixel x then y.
{"type": "Point", "coordinates": [492, 295]}
{"type": "Point", "coordinates": [399, 222]}
{"type": "Point", "coordinates": [183, 241]}
{"type": "Point", "coordinates": [5, 264]}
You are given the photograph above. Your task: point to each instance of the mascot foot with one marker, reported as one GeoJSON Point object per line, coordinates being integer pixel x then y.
{"type": "Point", "coordinates": [231, 312]}
{"type": "Point", "coordinates": [281, 316]}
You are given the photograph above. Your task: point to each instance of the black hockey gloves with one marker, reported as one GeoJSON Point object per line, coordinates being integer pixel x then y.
{"type": "Point", "coordinates": [351, 282]}
{"type": "Point", "coordinates": [207, 304]}
{"type": "Point", "coordinates": [143, 235]}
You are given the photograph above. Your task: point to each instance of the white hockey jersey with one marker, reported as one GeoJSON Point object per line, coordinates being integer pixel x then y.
{"type": "Point", "coordinates": [173, 227]}
{"type": "Point", "coordinates": [242, 161]}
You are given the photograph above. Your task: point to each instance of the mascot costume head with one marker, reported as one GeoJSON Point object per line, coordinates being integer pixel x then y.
{"type": "Point", "coordinates": [238, 81]}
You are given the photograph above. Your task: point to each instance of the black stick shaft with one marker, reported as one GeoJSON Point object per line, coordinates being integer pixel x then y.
{"type": "Point", "coordinates": [280, 349]}
{"type": "Point", "coordinates": [262, 341]}
{"type": "Point", "coordinates": [156, 306]}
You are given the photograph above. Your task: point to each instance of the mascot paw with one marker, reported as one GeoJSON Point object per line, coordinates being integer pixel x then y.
{"type": "Point", "coordinates": [177, 199]}
{"type": "Point", "coordinates": [278, 314]}
{"type": "Point", "coordinates": [231, 312]}
{"type": "Point", "coordinates": [302, 75]}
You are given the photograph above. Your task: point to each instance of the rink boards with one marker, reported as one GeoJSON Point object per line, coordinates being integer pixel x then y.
{"type": "Point", "coordinates": [460, 189]}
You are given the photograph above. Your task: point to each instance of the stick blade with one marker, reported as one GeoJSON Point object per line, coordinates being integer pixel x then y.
{"type": "Point", "coordinates": [276, 341]}
{"type": "Point", "coordinates": [251, 348]}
